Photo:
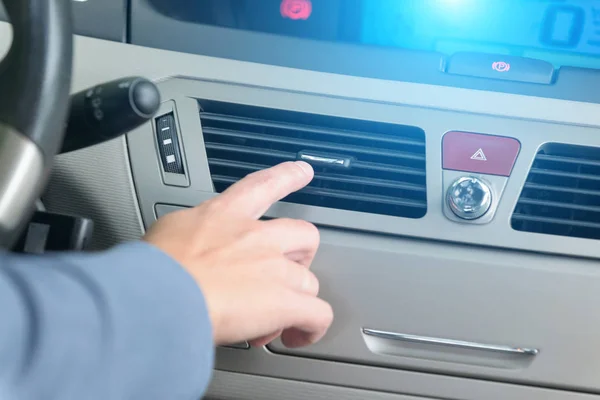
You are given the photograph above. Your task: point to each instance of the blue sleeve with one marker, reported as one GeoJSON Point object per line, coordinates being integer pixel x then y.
{"type": "Point", "coordinates": [124, 324]}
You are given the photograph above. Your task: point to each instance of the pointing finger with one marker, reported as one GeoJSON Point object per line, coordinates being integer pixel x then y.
{"type": "Point", "coordinates": [256, 193]}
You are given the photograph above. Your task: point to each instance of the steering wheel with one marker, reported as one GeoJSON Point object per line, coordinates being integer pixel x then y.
{"type": "Point", "coordinates": [35, 79]}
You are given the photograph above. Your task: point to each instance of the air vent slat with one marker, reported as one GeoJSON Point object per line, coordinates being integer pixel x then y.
{"type": "Point", "coordinates": [385, 170]}
{"type": "Point", "coordinates": [569, 160]}
{"type": "Point", "coordinates": [557, 204]}
{"type": "Point", "coordinates": [563, 189]}
{"type": "Point", "coordinates": [285, 156]}
{"type": "Point", "coordinates": [570, 175]}
{"type": "Point", "coordinates": [339, 194]}
{"type": "Point", "coordinates": [213, 120]}
{"type": "Point", "coordinates": [557, 221]}
{"type": "Point", "coordinates": [562, 193]}
{"type": "Point", "coordinates": [246, 168]}
{"type": "Point", "coordinates": [389, 168]}
{"type": "Point", "coordinates": [269, 140]}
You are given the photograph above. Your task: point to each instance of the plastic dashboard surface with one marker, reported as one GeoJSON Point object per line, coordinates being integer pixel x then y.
{"type": "Point", "coordinates": [180, 94]}
{"type": "Point", "coordinates": [499, 302]}
{"type": "Point", "coordinates": [429, 277]}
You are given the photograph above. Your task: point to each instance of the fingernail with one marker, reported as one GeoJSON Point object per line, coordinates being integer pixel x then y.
{"type": "Point", "coordinates": [306, 167]}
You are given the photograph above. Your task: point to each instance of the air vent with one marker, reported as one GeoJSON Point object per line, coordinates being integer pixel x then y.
{"type": "Point", "coordinates": [562, 193]}
{"type": "Point", "coordinates": [359, 165]}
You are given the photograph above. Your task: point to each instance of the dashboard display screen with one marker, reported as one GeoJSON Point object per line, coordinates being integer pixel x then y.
{"type": "Point", "coordinates": [563, 32]}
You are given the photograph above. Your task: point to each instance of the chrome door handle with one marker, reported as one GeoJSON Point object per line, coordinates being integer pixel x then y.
{"type": "Point", "coordinates": [450, 343]}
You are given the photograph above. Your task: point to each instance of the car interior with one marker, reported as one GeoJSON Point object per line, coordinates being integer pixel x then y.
{"type": "Point", "coordinates": [456, 190]}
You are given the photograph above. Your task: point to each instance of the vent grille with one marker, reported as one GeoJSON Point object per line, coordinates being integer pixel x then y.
{"type": "Point", "coordinates": [386, 173]}
{"type": "Point", "coordinates": [562, 193]}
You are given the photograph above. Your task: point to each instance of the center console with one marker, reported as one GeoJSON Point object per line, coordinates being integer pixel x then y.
{"type": "Point", "coordinates": [452, 243]}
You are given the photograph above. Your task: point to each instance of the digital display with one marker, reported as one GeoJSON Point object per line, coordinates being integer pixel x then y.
{"type": "Point", "coordinates": [563, 32]}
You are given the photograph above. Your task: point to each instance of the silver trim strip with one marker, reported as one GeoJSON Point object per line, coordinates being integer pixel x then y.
{"type": "Point", "coordinates": [322, 159]}
{"type": "Point", "coordinates": [450, 342]}
{"type": "Point", "coordinates": [21, 174]}
{"type": "Point", "coordinates": [342, 162]}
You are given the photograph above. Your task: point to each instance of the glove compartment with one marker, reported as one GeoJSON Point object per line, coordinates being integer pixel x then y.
{"type": "Point", "coordinates": [459, 310]}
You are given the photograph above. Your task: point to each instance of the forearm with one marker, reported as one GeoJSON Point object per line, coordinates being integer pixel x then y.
{"type": "Point", "coordinates": [124, 324]}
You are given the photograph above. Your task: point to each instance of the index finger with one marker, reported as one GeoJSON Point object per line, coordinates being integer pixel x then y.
{"type": "Point", "coordinates": [256, 193]}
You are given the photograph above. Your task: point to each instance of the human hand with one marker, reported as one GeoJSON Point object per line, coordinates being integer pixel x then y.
{"type": "Point", "coordinates": [254, 274]}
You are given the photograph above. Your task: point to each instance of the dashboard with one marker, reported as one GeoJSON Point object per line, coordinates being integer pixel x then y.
{"type": "Point", "coordinates": [561, 32]}
{"type": "Point", "coordinates": [549, 47]}
{"type": "Point", "coordinates": [459, 208]}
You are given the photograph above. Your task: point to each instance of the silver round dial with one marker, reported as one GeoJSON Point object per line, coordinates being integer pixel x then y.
{"type": "Point", "coordinates": [469, 197]}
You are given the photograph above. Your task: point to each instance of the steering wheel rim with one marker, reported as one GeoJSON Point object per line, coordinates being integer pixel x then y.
{"type": "Point", "coordinates": [35, 79]}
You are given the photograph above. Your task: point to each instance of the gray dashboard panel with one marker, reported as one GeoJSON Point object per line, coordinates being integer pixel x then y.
{"type": "Point", "coordinates": [96, 183]}
{"type": "Point", "coordinates": [434, 225]}
{"type": "Point", "coordinates": [227, 386]}
{"type": "Point", "coordinates": [95, 63]}
{"type": "Point", "coordinates": [458, 293]}
{"type": "Point", "coordinates": [462, 294]}
{"type": "Point", "coordinates": [451, 285]}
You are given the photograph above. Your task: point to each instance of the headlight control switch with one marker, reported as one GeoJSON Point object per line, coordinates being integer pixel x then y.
{"type": "Point", "coordinates": [469, 198]}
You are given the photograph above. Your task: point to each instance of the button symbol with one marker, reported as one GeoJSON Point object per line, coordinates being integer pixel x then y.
{"type": "Point", "coordinates": [479, 156]}
{"type": "Point", "coordinates": [479, 153]}
{"type": "Point", "coordinates": [296, 9]}
{"type": "Point", "coordinates": [98, 114]}
{"type": "Point", "coordinates": [501, 66]}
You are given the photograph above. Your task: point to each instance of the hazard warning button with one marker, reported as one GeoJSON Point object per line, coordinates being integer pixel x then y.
{"type": "Point", "coordinates": [478, 153]}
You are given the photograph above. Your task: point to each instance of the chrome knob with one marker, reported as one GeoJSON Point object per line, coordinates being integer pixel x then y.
{"type": "Point", "coordinates": [469, 198]}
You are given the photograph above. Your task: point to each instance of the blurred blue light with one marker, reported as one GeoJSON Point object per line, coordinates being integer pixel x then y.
{"type": "Point", "coordinates": [512, 27]}
{"type": "Point", "coordinates": [450, 2]}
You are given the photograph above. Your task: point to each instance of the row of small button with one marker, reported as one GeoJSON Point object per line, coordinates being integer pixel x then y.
{"type": "Point", "coordinates": [168, 141]}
